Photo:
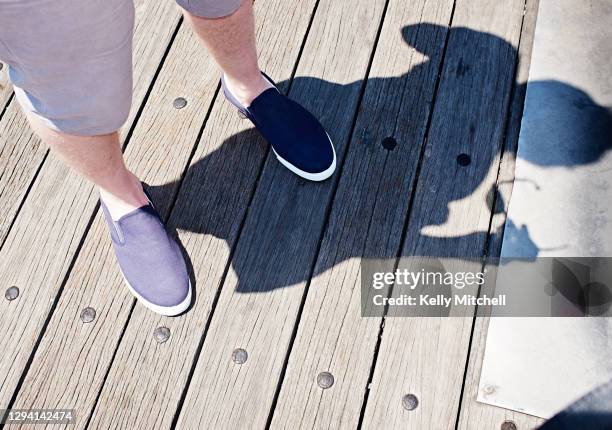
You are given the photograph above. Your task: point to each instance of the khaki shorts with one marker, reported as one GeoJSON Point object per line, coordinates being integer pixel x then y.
{"type": "Point", "coordinates": [70, 61]}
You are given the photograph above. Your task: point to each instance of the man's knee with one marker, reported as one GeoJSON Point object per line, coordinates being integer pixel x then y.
{"type": "Point", "coordinates": [210, 8]}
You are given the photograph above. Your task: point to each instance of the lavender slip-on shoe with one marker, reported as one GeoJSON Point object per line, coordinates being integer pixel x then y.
{"type": "Point", "coordinates": [298, 139]}
{"type": "Point", "coordinates": [150, 260]}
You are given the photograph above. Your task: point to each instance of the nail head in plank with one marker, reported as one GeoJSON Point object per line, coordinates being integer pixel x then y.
{"type": "Point", "coordinates": [179, 103]}
{"type": "Point", "coordinates": [325, 380]}
{"type": "Point", "coordinates": [239, 356]}
{"type": "Point", "coordinates": [463, 160]}
{"type": "Point", "coordinates": [11, 293]}
{"type": "Point", "coordinates": [389, 143]}
{"type": "Point", "coordinates": [88, 315]}
{"type": "Point", "coordinates": [410, 402]}
{"type": "Point", "coordinates": [161, 334]}
{"type": "Point", "coordinates": [508, 425]}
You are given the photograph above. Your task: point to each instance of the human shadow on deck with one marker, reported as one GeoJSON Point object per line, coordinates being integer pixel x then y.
{"type": "Point", "coordinates": [282, 249]}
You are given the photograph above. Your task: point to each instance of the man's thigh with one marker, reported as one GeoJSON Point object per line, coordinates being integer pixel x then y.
{"type": "Point", "coordinates": [70, 61]}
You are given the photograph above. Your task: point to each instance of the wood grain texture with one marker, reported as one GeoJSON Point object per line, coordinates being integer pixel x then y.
{"type": "Point", "coordinates": [258, 305]}
{"type": "Point", "coordinates": [21, 153]}
{"type": "Point", "coordinates": [450, 218]}
{"type": "Point", "coordinates": [366, 221]}
{"type": "Point", "coordinates": [41, 244]}
{"type": "Point", "coordinates": [209, 212]}
{"type": "Point", "coordinates": [6, 89]}
{"type": "Point", "coordinates": [158, 153]}
{"type": "Point", "coordinates": [473, 414]}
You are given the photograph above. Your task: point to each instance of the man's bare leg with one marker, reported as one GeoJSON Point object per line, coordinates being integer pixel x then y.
{"type": "Point", "coordinates": [297, 137]}
{"type": "Point", "coordinates": [231, 41]}
{"type": "Point", "coordinates": [99, 159]}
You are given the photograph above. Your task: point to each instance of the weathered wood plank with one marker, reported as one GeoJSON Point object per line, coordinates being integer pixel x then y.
{"type": "Point", "coordinates": [366, 221]}
{"type": "Point", "coordinates": [209, 212]}
{"type": "Point", "coordinates": [475, 415]}
{"type": "Point", "coordinates": [6, 90]}
{"type": "Point", "coordinates": [21, 153]}
{"type": "Point", "coordinates": [258, 305]}
{"type": "Point", "coordinates": [159, 152]}
{"type": "Point", "coordinates": [41, 244]}
{"type": "Point", "coordinates": [426, 356]}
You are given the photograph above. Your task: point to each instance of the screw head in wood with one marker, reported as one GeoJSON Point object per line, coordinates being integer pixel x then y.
{"type": "Point", "coordinates": [410, 402]}
{"type": "Point", "coordinates": [241, 115]}
{"type": "Point", "coordinates": [88, 315]}
{"type": "Point", "coordinates": [325, 380]}
{"type": "Point", "coordinates": [489, 389]}
{"type": "Point", "coordinates": [389, 143]}
{"type": "Point", "coordinates": [179, 103]}
{"type": "Point", "coordinates": [239, 356]}
{"type": "Point", "coordinates": [508, 425]}
{"type": "Point", "coordinates": [11, 293]}
{"type": "Point", "coordinates": [161, 334]}
{"type": "Point", "coordinates": [464, 160]}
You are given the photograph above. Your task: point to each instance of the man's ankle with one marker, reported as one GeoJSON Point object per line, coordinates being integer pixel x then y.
{"type": "Point", "coordinates": [246, 91]}
{"type": "Point", "coordinates": [125, 198]}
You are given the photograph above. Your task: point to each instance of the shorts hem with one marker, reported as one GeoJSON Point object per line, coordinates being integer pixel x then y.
{"type": "Point", "coordinates": [195, 7]}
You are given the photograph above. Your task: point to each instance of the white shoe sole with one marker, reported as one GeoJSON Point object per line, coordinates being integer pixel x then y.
{"type": "Point", "coordinates": [168, 311]}
{"type": "Point", "coordinates": [316, 177]}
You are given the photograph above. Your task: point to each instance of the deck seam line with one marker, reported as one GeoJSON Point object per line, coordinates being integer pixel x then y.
{"type": "Point", "coordinates": [327, 214]}
{"type": "Point", "coordinates": [6, 105]}
{"type": "Point", "coordinates": [91, 412]}
{"type": "Point", "coordinates": [505, 144]}
{"type": "Point", "coordinates": [23, 200]}
{"type": "Point", "coordinates": [408, 212]}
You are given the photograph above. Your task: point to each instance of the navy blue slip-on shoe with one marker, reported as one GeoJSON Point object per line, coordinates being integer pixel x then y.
{"type": "Point", "coordinates": [298, 139]}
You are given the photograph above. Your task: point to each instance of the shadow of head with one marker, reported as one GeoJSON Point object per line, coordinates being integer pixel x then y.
{"type": "Point", "coordinates": [473, 95]}
{"type": "Point", "coordinates": [564, 126]}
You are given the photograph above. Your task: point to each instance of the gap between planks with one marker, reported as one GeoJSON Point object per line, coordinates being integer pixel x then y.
{"type": "Point", "coordinates": [471, 411]}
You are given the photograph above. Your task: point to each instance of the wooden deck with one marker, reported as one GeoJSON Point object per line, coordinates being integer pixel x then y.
{"type": "Point", "coordinates": [403, 88]}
